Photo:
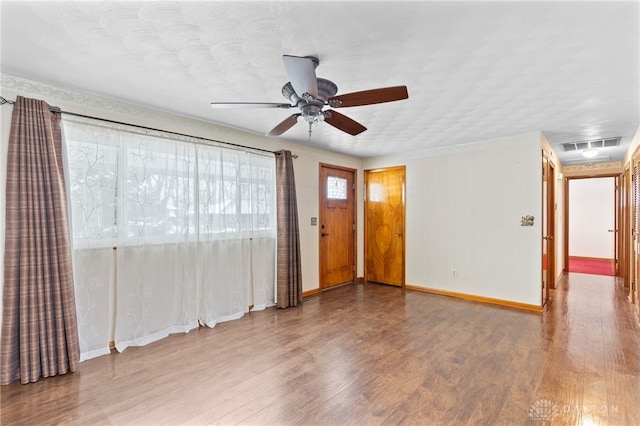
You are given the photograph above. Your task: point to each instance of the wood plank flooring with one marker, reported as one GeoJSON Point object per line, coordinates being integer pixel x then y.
{"type": "Point", "coordinates": [368, 354]}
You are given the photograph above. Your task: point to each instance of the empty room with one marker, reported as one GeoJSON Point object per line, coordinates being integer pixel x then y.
{"type": "Point", "coordinates": [327, 212]}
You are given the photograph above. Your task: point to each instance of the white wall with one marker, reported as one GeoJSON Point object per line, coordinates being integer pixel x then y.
{"type": "Point", "coordinates": [463, 212]}
{"type": "Point", "coordinates": [591, 215]}
{"type": "Point", "coordinates": [306, 166]}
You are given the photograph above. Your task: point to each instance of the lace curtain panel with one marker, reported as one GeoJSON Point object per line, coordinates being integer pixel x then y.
{"type": "Point", "coordinates": [167, 233]}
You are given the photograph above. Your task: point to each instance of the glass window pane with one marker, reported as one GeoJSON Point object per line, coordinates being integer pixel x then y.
{"type": "Point", "coordinates": [336, 188]}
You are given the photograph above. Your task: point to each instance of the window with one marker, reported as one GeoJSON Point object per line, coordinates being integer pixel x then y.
{"type": "Point", "coordinates": [193, 226]}
{"type": "Point", "coordinates": [336, 188]}
{"type": "Point", "coordinates": [129, 188]}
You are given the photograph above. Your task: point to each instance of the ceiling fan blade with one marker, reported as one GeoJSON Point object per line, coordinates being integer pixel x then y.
{"type": "Point", "coordinates": [302, 74]}
{"type": "Point", "coordinates": [239, 105]}
{"type": "Point", "coordinates": [344, 123]}
{"type": "Point", "coordinates": [285, 125]}
{"type": "Point", "coordinates": [369, 97]}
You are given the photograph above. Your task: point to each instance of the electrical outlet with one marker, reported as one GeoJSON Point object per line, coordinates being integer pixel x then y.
{"type": "Point", "coordinates": [454, 273]}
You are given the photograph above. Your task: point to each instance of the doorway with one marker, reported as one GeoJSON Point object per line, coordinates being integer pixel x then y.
{"type": "Point", "coordinates": [384, 212]}
{"type": "Point", "coordinates": [591, 225]}
{"type": "Point", "coordinates": [337, 225]}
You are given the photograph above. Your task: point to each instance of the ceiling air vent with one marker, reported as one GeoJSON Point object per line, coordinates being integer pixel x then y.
{"type": "Point", "coordinates": [597, 143]}
{"type": "Point", "coordinates": [611, 142]}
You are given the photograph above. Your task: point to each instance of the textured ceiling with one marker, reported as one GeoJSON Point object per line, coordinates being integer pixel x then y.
{"type": "Point", "coordinates": [474, 70]}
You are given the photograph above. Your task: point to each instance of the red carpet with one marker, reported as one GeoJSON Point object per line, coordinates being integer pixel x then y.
{"type": "Point", "coordinates": [591, 266]}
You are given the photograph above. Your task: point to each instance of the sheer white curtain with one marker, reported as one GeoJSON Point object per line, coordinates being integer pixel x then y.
{"type": "Point", "coordinates": [192, 228]}
{"type": "Point", "coordinates": [156, 288]}
{"type": "Point", "coordinates": [236, 218]}
{"type": "Point", "coordinates": [92, 160]}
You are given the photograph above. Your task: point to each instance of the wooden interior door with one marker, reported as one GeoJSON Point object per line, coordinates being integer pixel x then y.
{"type": "Point", "coordinates": [633, 292]}
{"type": "Point", "coordinates": [624, 240]}
{"type": "Point", "coordinates": [337, 225]}
{"type": "Point", "coordinates": [385, 225]}
{"type": "Point", "coordinates": [548, 224]}
{"type": "Point", "coordinates": [616, 226]}
{"type": "Point", "coordinates": [551, 225]}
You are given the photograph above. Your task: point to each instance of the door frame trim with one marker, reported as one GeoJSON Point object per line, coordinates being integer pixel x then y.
{"type": "Point", "coordinates": [321, 283]}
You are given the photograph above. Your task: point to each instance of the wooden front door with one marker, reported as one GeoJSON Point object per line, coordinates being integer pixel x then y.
{"type": "Point", "coordinates": [337, 225]}
{"type": "Point", "coordinates": [384, 225]}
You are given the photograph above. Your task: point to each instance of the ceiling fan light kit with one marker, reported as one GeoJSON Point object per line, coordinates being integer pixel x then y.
{"type": "Point", "coordinates": [311, 94]}
{"type": "Point", "coordinates": [310, 107]}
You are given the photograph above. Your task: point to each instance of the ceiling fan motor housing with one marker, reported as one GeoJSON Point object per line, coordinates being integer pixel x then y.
{"type": "Point", "coordinates": [311, 108]}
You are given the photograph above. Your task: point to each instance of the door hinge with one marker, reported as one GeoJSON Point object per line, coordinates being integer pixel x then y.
{"type": "Point", "coordinates": [633, 286]}
{"type": "Point", "coordinates": [353, 226]}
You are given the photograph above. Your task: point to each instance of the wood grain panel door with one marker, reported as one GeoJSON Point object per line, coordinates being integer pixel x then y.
{"type": "Point", "coordinates": [548, 227]}
{"type": "Point", "coordinates": [634, 292]}
{"type": "Point", "coordinates": [385, 225]}
{"type": "Point", "coordinates": [337, 225]}
{"type": "Point", "coordinates": [617, 218]}
{"type": "Point", "coordinates": [624, 241]}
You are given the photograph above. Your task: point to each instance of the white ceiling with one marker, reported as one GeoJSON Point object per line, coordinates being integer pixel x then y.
{"type": "Point", "coordinates": [474, 70]}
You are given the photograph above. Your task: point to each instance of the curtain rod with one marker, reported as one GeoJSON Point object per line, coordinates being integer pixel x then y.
{"type": "Point", "coordinates": [75, 114]}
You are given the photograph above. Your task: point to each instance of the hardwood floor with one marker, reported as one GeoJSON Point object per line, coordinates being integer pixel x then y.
{"type": "Point", "coordinates": [368, 354]}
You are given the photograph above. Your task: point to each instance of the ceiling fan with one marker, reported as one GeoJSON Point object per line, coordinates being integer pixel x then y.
{"type": "Point", "coordinates": [311, 94]}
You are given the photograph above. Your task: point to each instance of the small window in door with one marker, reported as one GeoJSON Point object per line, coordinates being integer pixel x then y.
{"type": "Point", "coordinates": [336, 188]}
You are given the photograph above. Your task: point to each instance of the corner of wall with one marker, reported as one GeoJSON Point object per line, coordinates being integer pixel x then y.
{"type": "Point", "coordinates": [546, 147]}
{"type": "Point", "coordinates": [635, 143]}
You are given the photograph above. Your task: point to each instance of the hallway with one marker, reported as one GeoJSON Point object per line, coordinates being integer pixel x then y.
{"type": "Point", "coordinates": [592, 370]}
{"type": "Point", "coordinates": [368, 354]}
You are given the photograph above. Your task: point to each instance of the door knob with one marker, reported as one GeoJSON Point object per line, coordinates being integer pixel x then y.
{"type": "Point", "coordinates": [612, 230]}
{"type": "Point", "coordinates": [547, 237]}
{"type": "Point", "coordinates": [324, 234]}
{"type": "Point", "coordinates": [398, 234]}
